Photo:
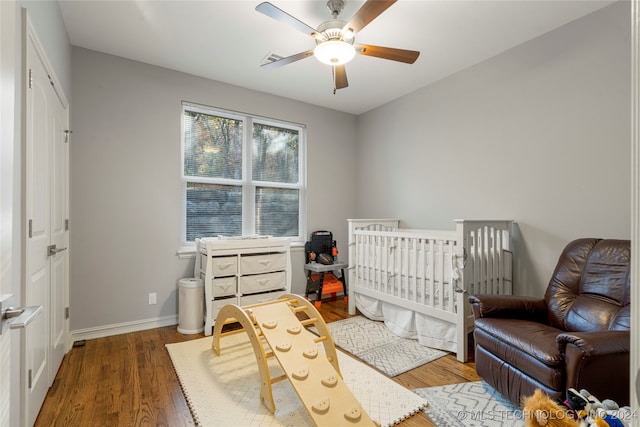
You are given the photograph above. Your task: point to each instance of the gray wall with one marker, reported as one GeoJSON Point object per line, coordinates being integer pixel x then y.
{"type": "Point", "coordinates": [539, 134]}
{"type": "Point", "coordinates": [126, 188]}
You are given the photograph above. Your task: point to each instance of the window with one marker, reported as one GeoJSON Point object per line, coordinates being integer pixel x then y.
{"type": "Point", "coordinates": [242, 175]}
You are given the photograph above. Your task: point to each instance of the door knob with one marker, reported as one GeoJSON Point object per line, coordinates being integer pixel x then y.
{"type": "Point", "coordinates": [16, 317]}
{"type": "Point", "coordinates": [52, 250]}
{"type": "Point", "coordinates": [12, 312]}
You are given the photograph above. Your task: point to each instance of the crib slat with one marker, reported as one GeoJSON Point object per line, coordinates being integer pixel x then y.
{"type": "Point", "coordinates": [496, 262]}
{"type": "Point", "coordinates": [476, 264]}
{"type": "Point", "coordinates": [371, 245]}
{"type": "Point", "coordinates": [438, 265]}
{"type": "Point", "coordinates": [397, 265]}
{"type": "Point", "coordinates": [430, 262]}
{"type": "Point", "coordinates": [384, 264]}
{"type": "Point", "coordinates": [423, 276]}
{"type": "Point", "coordinates": [372, 250]}
{"type": "Point", "coordinates": [449, 279]}
{"type": "Point", "coordinates": [359, 257]}
{"type": "Point", "coordinates": [489, 252]}
{"type": "Point", "coordinates": [406, 283]}
{"type": "Point", "coordinates": [378, 277]}
{"type": "Point", "coordinates": [413, 268]}
{"type": "Point", "coordinates": [481, 263]}
{"type": "Point", "coordinates": [367, 261]}
{"type": "Point", "coordinates": [500, 256]}
{"type": "Point", "coordinates": [441, 256]}
{"type": "Point", "coordinates": [450, 259]}
{"type": "Point", "coordinates": [364, 260]}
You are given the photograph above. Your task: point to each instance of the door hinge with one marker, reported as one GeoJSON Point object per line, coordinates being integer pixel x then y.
{"type": "Point", "coordinates": [66, 312]}
{"type": "Point", "coordinates": [30, 380]}
{"type": "Point", "coordinates": [30, 228]}
{"type": "Point", "coordinates": [30, 78]}
{"type": "Point", "coordinates": [66, 225]}
{"type": "Point", "coordinates": [67, 135]}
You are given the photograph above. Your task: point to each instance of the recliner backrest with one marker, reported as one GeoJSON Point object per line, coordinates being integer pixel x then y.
{"type": "Point", "coordinates": [590, 289]}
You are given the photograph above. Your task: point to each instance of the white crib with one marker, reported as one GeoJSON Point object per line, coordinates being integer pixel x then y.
{"type": "Point", "coordinates": [418, 281]}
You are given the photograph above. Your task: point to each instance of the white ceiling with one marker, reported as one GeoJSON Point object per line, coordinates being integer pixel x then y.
{"type": "Point", "coordinates": [227, 40]}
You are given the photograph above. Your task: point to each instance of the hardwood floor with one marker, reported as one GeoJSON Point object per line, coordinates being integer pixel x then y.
{"type": "Point", "coordinates": [128, 380]}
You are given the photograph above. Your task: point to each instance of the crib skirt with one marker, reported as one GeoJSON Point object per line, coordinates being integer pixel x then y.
{"type": "Point", "coordinates": [429, 331]}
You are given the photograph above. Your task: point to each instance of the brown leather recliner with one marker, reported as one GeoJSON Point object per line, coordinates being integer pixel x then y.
{"type": "Point", "coordinates": [576, 336]}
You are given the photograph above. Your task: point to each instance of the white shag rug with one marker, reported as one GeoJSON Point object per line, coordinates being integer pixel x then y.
{"type": "Point", "coordinates": [473, 404]}
{"type": "Point", "coordinates": [374, 343]}
{"type": "Point", "coordinates": [224, 390]}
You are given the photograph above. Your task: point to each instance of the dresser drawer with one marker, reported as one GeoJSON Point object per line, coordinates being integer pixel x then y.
{"type": "Point", "coordinates": [260, 298]}
{"type": "Point", "coordinates": [224, 265]}
{"type": "Point", "coordinates": [223, 286]}
{"type": "Point", "coordinates": [217, 304]}
{"type": "Point", "coordinates": [262, 263]}
{"type": "Point", "coordinates": [262, 282]}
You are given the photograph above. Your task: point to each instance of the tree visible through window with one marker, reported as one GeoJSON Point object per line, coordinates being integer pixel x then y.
{"type": "Point", "coordinates": [241, 175]}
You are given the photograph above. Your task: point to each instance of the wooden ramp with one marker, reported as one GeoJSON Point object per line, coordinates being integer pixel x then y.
{"type": "Point", "coordinates": [315, 377]}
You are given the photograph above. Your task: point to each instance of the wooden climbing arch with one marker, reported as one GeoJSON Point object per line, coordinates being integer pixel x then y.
{"type": "Point", "coordinates": [315, 377]}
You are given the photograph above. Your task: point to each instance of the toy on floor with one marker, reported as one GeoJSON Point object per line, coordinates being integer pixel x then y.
{"type": "Point", "coordinates": [593, 413]}
{"type": "Point", "coordinates": [581, 410]}
{"type": "Point", "coordinates": [539, 411]}
{"type": "Point", "coordinates": [275, 331]}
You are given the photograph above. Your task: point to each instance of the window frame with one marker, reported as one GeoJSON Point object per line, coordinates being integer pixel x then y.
{"type": "Point", "coordinates": [246, 182]}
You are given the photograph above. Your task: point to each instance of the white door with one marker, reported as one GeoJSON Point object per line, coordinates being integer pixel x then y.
{"type": "Point", "coordinates": [46, 236]}
{"type": "Point", "coordinates": [7, 107]}
{"type": "Point", "coordinates": [58, 256]}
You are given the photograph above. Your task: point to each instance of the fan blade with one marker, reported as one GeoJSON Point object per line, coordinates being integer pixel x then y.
{"type": "Point", "coordinates": [280, 15]}
{"type": "Point", "coordinates": [367, 13]}
{"type": "Point", "coordinates": [287, 60]}
{"type": "Point", "coordinates": [339, 78]}
{"type": "Point", "coordinates": [400, 55]}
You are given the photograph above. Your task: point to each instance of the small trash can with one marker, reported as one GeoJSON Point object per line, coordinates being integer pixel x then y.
{"type": "Point", "coordinates": [190, 306]}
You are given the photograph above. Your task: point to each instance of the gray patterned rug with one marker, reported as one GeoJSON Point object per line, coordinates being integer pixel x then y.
{"type": "Point", "coordinates": [375, 344]}
{"type": "Point", "coordinates": [474, 404]}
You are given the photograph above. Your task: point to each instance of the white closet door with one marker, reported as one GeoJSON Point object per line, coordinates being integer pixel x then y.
{"type": "Point", "coordinates": [46, 208]}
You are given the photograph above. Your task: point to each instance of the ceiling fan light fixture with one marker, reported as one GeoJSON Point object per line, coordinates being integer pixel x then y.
{"type": "Point", "coordinates": [334, 52]}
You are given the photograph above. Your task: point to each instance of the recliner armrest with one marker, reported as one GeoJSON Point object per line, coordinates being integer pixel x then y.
{"type": "Point", "coordinates": [593, 344]}
{"type": "Point", "coordinates": [509, 306]}
{"type": "Point", "coordinates": [598, 362]}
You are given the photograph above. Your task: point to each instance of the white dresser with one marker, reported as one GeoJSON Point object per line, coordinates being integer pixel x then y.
{"type": "Point", "coordinates": [242, 272]}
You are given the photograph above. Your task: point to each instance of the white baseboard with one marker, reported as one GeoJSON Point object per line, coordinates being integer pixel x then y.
{"type": "Point", "coordinates": [122, 328]}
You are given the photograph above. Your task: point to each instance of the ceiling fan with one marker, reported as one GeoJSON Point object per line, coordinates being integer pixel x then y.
{"type": "Point", "coordinates": [335, 39]}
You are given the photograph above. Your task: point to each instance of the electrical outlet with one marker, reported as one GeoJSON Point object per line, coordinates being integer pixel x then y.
{"type": "Point", "coordinates": [153, 298]}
